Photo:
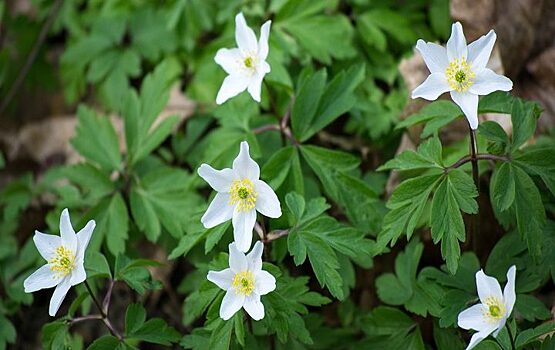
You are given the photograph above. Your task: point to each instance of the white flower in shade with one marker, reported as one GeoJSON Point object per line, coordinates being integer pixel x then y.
{"type": "Point", "coordinates": [495, 307]}
{"type": "Point", "coordinates": [240, 195]}
{"type": "Point", "coordinates": [65, 256]}
{"type": "Point", "coordinates": [460, 70]}
{"type": "Point", "coordinates": [246, 64]}
{"type": "Point", "coordinates": [244, 282]}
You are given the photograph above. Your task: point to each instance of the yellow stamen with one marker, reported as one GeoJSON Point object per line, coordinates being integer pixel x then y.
{"type": "Point", "coordinates": [494, 309]}
{"type": "Point", "coordinates": [63, 261]}
{"type": "Point", "coordinates": [459, 75]}
{"type": "Point", "coordinates": [243, 283]}
{"type": "Point", "coordinates": [243, 195]}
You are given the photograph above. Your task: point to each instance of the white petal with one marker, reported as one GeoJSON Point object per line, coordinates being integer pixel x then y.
{"type": "Point", "coordinates": [231, 303]}
{"type": "Point", "coordinates": [487, 81]}
{"type": "Point", "coordinates": [244, 166]}
{"type": "Point", "coordinates": [263, 40]}
{"type": "Point", "coordinates": [58, 296]}
{"type": "Point", "coordinates": [243, 224]}
{"type": "Point", "coordinates": [509, 295]}
{"type": "Point", "coordinates": [78, 274]}
{"type": "Point", "coordinates": [435, 85]}
{"type": "Point", "coordinates": [265, 283]}
{"type": "Point", "coordinates": [473, 318]}
{"type": "Point", "coordinates": [267, 202]}
{"type": "Point", "coordinates": [456, 45]}
{"type": "Point", "coordinates": [229, 60]}
{"type": "Point", "coordinates": [479, 51]}
{"type": "Point", "coordinates": [255, 85]}
{"type": "Point", "coordinates": [69, 239]}
{"type": "Point", "coordinates": [434, 55]}
{"type": "Point", "coordinates": [487, 287]}
{"type": "Point", "coordinates": [500, 326]}
{"type": "Point", "coordinates": [83, 239]}
{"type": "Point", "coordinates": [218, 211]}
{"type": "Point", "coordinates": [254, 307]}
{"type": "Point", "coordinates": [46, 244]}
{"type": "Point", "coordinates": [219, 180]}
{"type": "Point", "coordinates": [232, 86]}
{"type": "Point", "coordinates": [244, 35]}
{"type": "Point", "coordinates": [237, 259]}
{"type": "Point", "coordinates": [222, 279]}
{"type": "Point", "coordinates": [478, 337]}
{"type": "Point", "coordinates": [41, 279]}
{"type": "Point", "coordinates": [254, 258]}
{"type": "Point", "coordinates": [469, 105]}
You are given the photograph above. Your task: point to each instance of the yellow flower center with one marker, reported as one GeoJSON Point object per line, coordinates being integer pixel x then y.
{"type": "Point", "coordinates": [459, 75]}
{"type": "Point", "coordinates": [494, 309]}
{"type": "Point", "coordinates": [249, 62]}
{"type": "Point", "coordinates": [63, 261]}
{"type": "Point", "coordinates": [243, 283]}
{"type": "Point", "coordinates": [242, 195]}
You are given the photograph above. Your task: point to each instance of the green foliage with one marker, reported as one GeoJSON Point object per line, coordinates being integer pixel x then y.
{"type": "Point", "coordinates": [330, 114]}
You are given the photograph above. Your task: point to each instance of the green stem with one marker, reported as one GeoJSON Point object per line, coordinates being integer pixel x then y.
{"type": "Point", "coordinates": [103, 314]}
{"type": "Point", "coordinates": [475, 219]}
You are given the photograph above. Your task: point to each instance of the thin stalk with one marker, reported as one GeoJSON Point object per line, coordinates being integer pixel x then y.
{"type": "Point", "coordinates": [474, 219]}
{"type": "Point", "coordinates": [103, 313]}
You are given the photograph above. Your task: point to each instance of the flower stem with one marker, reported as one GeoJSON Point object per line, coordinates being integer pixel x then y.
{"type": "Point", "coordinates": [103, 314]}
{"type": "Point", "coordinates": [475, 219]}
{"type": "Point", "coordinates": [511, 336]}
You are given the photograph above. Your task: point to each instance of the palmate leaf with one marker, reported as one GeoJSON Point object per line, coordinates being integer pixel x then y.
{"type": "Point", "coordinates": [514, 192]}
{"type": "Point", "coordinates": [154, 330]}
{"type": "Point", "coordinates": [321, 239]}
{"type": "Point", "coordinates": [163, 198]}
{"type": "Point", "coordinates": [419, 295]}
{"type": "Point", "coordinates": [454, 194]}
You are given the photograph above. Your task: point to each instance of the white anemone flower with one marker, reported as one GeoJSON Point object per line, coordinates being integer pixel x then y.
{"type": "Point", "coordinates": [240, 195]}
{"type": "Point", "coordinates": [495, 307]}
{"type": "Point", "coordinates": [460, 70]}
{"type": "Point", "coordinates": [65, 256]}
{"type": "Point", "coordinates": [244, 282]}
{"type": "Point", "coordinates": [246, 64]}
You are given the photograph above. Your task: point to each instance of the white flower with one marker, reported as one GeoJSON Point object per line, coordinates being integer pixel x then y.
{"type": "Point", "coordinates": [244, 282]}
{"type": "Point", "coordinates": [240, 195]}
{"type": "Point", "coordinates": [461, 70]}
{"type": "Point", "coordinates": [65, 255]}
{"type": "Point", "coordinates": [246, 65]}
{"type": "Point", "coordinates": [491, 314]}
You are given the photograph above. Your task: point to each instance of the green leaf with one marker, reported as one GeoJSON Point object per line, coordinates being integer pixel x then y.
{"type": "Point", "coordinates": [401, 331]}
{"type": "Point", "coordinates": [540, 162]}
{"type": "Point", "coordinates": [296, 205]}
{"type": "Point", "coordinates": [496, 135]}
{"type": "Point", "coordinates": [310, 30]}
{"type": "Point", "coordinates": [524, 116]}
{"type": "Point", "coordinates": [54, 335]}
{"type": "Point", "coordinates": [529, 210]}
{"type": "Point", "coordinates": [163, 198]}
{"type": "Point", "coordinates": [135, 316]}
{"type": "Point", "coordinates": [275, 170]}
{"type": "Point", "coordinates": [407, 204]}
{"type": "Point", "coordinates": [112, 223]}
{"type": "Point", "coordinates": [96, 139]}
{"type": "Point", "coordinates": [528, 336]}
{"type": "Point", "coordinates": [503, 187]}
{"type": "Point", "coordinates": [306, 102]}
{"type": "Point", "coordinates": [456, 192]}
{"type": "Point", "coordinates": [96, 265]}
{"type": "Point", "coordinates": [107, 342]}
{"type": "Point", "coordinates": [221, 335]}
{"type": "Point", "coordinates": [428, 155]}
{"type": "Point", "coordinates": [531, 308]}
{"type": "Point", "coordinates": [7, 332]}
{"type": "Point", "coordinates": [436, 115]}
